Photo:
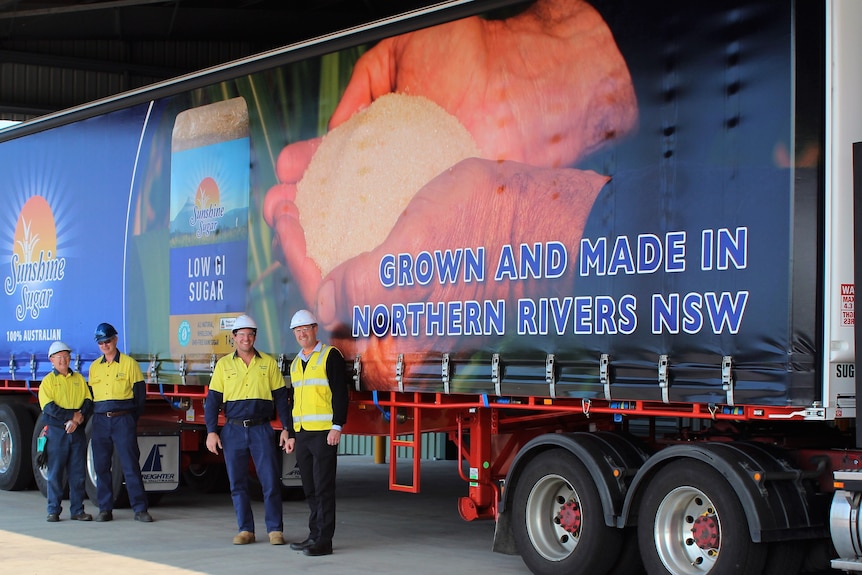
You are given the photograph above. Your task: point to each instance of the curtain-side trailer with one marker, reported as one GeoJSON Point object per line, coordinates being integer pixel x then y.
{"type": "Point", "coordinates": [627, 294]}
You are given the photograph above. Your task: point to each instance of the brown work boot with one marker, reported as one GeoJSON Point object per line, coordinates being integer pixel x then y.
{"type": "Point", "coordinates": [276, 538]}
{"type": "Point", "coordinates": [243, 538]}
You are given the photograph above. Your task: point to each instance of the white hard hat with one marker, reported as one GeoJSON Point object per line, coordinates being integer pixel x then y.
{"type": "Point", "coordinates": [302, 317]}
{"type": "Point", "coordinates": [58, 346]}
{"type": "Point", "coordinates": [244, 321]}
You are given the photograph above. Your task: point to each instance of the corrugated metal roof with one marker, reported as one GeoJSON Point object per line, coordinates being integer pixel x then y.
{"type": "Point", "coordinates": [55, 55]}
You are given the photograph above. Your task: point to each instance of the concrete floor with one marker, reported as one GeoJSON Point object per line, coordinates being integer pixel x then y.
{"type": "Point", "coordinates": [379, 531]}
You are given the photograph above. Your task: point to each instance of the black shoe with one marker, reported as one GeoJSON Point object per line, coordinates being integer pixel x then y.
{"type": "Point", "coordinates": [143, 517]}
{"type": "Point", "coordinates": [302, 545]}
{"type": "Point", "coordinates": [318, 549]}
{"type": "Point", "coordinates": [105, 516]}
{"type": "Point", "coordinates": [82, 517]}
{"type": "Point", "coordinates": [53, 517]}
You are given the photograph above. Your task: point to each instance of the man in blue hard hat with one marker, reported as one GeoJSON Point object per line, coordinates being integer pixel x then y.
{"type": "Point", "coordinates": [249, 387]}
{"type": "Point", "coordinates": [119, 393]}
{"type": "Point", "coordinates": [320, 399]}
{"type": "Point", "coordinates": [66, 403]}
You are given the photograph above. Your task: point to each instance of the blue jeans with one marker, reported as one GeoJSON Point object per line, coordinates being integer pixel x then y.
{"type": "Point", "coordinates": [257, 441]}
{"type": "Point", "coordinates": [67, 454]}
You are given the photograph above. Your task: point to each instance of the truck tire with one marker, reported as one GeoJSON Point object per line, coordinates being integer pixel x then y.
{"type": "Point", "coordinates": [686, 502]}
{"type": "Point", "coordinates": [121, 498]}
{"type": "Point", "coordinates": [629, 560]}
{"type": "Point", "coordinates": [207, 477]}
{"type": "Point", "coordinates": [558, 521]}
{"type": "Point", "coordinates": [40, 473]}
{"type": "Point", "coordinates": [16, 430]}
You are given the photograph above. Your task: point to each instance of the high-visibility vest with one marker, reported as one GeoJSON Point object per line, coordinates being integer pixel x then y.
{"type": "Point", "coordinates": [312, 396]}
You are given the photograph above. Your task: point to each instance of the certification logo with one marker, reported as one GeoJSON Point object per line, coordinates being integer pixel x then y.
{"type": "Point", "coordinates": [184, 333]}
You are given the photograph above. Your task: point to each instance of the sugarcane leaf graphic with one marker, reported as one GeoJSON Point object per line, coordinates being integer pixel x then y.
{"type": "Point", "coordinates": [28, 244]}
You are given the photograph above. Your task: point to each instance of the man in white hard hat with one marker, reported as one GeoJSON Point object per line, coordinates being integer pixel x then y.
{"type": "Point", "coordinates": [320, 398]}
{"type": "Point", "coordinates": [66, 403]}
{"type": "Point", "coordinates": [248, 385]}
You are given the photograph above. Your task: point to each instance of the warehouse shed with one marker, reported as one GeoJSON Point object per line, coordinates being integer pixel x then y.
{"type": "Point", "coordinates": [61, 54]}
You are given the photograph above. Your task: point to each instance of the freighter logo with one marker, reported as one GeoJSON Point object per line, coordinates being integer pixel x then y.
{"type": "Point", "coordinates": [207, 211]}
{"type": "Point", "coordinates": [34, 264]}
{"type": "Point", "coordinates": [153, 469]}
{"type": "Point", "coordinates": [154, 459]}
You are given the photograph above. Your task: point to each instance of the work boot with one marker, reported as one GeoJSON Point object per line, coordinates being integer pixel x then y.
{"type": "Point", "coordinates": [243, 538]}
{"type": "Point", "coordinates": [276, 538]}
{"type": "Point", "coordinates": [143, 517]}
{"type": "Point", "coordinates": [302, 544]}
{"type": "Point", "coordinates": [82, 517]}
{"type": "Point", "coordinates": [53, 517]}
{"type": "Point", "coordinates": [318, 549]}
{"type": "Point", "coordinates": [105, 516]}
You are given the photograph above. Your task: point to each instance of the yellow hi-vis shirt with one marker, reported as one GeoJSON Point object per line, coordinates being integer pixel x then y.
{"type": "Point", "coordinates": [238, 381]}
{"type": "Point", "coordinates": [312, 396]}
{"type": "Point", "coordinates": [66, 391]}
{"type": "Point", "coordinates": [116, 380]}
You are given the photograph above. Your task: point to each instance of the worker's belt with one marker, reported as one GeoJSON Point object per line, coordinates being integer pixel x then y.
{"type": "Point", "coordinates": [116, 413]}
{"type": "Point", "coordinates": [247, 422]}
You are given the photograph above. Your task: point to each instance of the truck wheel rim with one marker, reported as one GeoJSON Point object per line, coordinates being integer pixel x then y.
{"type": "Point", "coordinates": [553, 518]}
{"type": "Point", "coordinates": [5, 447]}
{"type": "Point", "coordinates": [687, 532]}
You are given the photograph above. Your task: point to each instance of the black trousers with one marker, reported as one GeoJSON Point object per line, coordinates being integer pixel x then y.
{"type": "Point", "coordinates": [317, 463]}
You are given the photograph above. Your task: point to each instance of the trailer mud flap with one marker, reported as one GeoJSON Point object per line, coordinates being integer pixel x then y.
{"type": "Point", "coordinates": [504, 541]}
{"type": "Point", "coordinates": [290, 476]}
{"type": "Point", "coordinates": [160, 462]}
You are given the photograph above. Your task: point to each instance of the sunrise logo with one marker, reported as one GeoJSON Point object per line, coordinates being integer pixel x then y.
{"type": "Point", "coordinates": [207, 211]}
{"type": "Point", "coordinates": [35, 264]}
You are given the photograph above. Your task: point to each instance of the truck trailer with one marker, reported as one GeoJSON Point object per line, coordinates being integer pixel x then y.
{"type": "Point", "coordinates": [639, 336]}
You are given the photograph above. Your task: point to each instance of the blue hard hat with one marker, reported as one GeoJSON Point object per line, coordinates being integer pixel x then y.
{"type": "Point", "coordinates": [104, 332]}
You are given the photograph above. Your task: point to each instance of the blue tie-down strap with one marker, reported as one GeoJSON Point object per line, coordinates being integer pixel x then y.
{"type": "Point", "coordinates": [386, 414]}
